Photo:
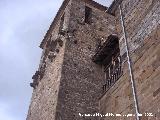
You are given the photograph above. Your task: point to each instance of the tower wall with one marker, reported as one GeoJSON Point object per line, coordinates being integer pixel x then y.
{"type": "Point", "coordinates": [81, 80]}
{"type": "Point", "coordinates": [45, 95]}
{"type": "Point", "coordinates": [71, 83]}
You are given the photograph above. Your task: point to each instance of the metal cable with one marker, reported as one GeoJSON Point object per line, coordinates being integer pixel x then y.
{"type": "Point", "coordinates": [130, 67]}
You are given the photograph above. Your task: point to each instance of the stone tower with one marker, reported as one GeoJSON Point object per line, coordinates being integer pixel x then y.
{"type": "Point", "coordinates": [84, 67]}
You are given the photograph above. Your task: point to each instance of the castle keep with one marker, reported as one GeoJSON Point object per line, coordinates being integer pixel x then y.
{"type": "Point", "coordinates": [100, 60]}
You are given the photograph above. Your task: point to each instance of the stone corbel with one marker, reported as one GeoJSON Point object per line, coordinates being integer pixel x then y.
{"type": "Point", "coordinates": [35, 76]}
{"type": "Point", "coordinates": [33, 85]}
{"type": "Point", "coordinates": [53, 46]}
{"type": "Point", "coordinates": [59, 41]}
{"type": "Point", "coordinates": [62, 32]}
{"type": "Point", "coordinates": [35, 79]}
{"type": "Point", "coordinates": [51, 56]}
{"type": "Point", "coordinates": [42, 70]}
{"type": "Point", "coordinates": [71, 34]}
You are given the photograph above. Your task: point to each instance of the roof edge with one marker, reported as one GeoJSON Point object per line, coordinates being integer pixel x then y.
{"type": "Point", "coordinates": [53, 24]}
{"type": "Point", "coordinates": [61, 9]}
{"type": "Point", "coordinates": [96, 5]}
{"type": "Point", "coordinates": [113, 7]}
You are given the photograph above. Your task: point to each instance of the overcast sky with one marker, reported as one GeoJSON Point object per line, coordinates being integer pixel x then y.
{"type": "Point", "coordinates": [23, 23]}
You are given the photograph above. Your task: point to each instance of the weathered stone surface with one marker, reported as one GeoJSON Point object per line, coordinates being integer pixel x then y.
{"type": "Point", "coordinates": [71, 83]}
{"type": "Point", "coordinates": [142, 28]}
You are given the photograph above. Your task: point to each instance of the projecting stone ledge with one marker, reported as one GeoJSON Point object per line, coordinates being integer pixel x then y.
{"type": "Point", "coordinates": [106, 50]}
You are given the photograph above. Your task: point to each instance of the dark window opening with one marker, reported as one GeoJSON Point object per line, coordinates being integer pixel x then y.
{"type": "Point", "coordinates": [88, 15]}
